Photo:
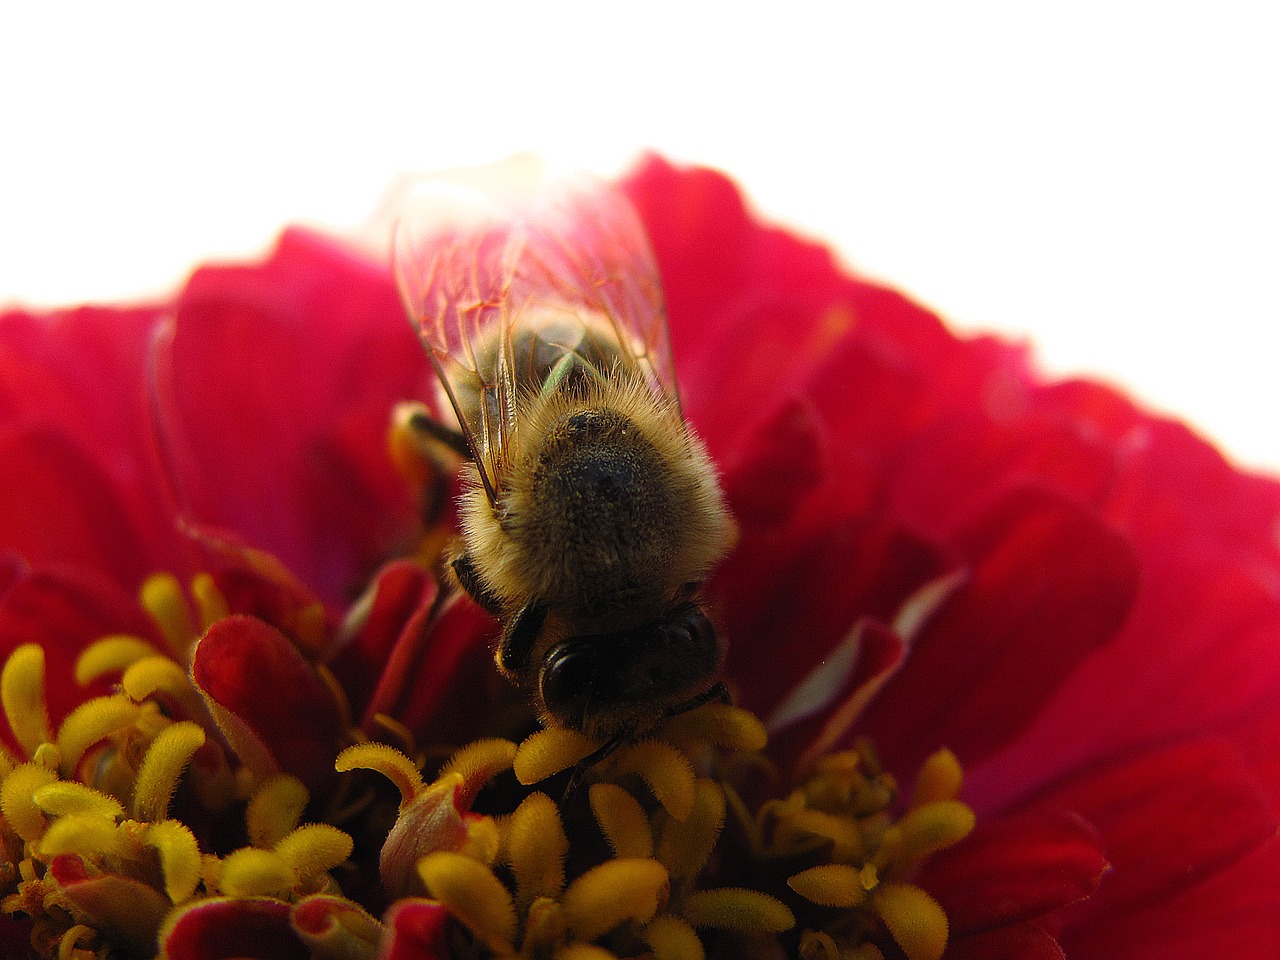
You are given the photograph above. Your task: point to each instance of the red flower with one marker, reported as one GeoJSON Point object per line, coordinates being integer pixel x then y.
{"type": "Point", "coordinates": [1078, 599]}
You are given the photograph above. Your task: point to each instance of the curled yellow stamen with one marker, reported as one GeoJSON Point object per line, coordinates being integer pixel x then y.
{"type": "Point", "coordinates": [275, 809]}
{"type": "Point", "coordinates": [17, 801]}
{"type": "Point", "coordinates": [162, 767]}
{"type": "Point", "coordinates": [162, 597]}
{"type": "Point", "coordinates": [211, 605]}
{"type": "Point", "coordinates": [90, 722]}
{"type": "Point", "coordinates": [314, 849]}
{"type": "Point", "coordinates": [547, 752]}
{"type": "Point", "coordinates": [940, 778]}
{"type": "Point", "coordinates": [179, 858]}
{"type": "Point", "coordinates": [612, 893]}
{"type": "Point", "coordinates": [537, 845]}
{"type": "Point", "coordinates": [22, 695]}
{"type": "Point", "coordinates": [388, 761]}
{"type": "Point", "coordinates": [111, 656]}
{"type": "Point", "coordinates": [622, 821]}
{"type": "Point", "coordinates": [66, 797]}
{"type": "Point", "coordinates": [159, 675]}
{"type": "Point", "coordinates": [473, 894]}
{"type": "Point", "coordinates": [685, 846]}
{"type": "Point", "coordinates": [478, 763]}
{"type": "Point", "coordinates": [666, 770]}
{"type": "Point", "coordinates": [719, 724]}
{"type": "Point", "coordinates": [735, 909]}
{"type": "Point", "coordinates": [916, 922]}
{"type": "Point", "coordinates": [671, 938]}
{"type": "Point", "coordinates": [250, 872]}
{"type": "Point", "coordinates": [86, 834]}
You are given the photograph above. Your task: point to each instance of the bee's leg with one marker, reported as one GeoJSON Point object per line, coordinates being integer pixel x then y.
{"type": "Point", "coordinates": [579, 769]}
{"type": "Point", "coordinates": [515, 651]}
{"type": "Point", "coordinates": [717, 691]}
{"type": "Point", "coordinates": [470, 581]}
{"type": "Point", "coordinates": [427, 443]}
{"type": "Point", "coordinates": [422, 423]}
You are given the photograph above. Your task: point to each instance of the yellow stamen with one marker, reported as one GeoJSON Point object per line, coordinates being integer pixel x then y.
{"type": "Point", "coordinates": [179, 858]}
{"type": "Point", "coordinates": [719, 724]}
{"type": "Point", "coordinates": [149, 676]}
{"type": "Point", "coordinates": [537, 845]}
{"type": "Point", "coordinates": [831, 885]}
{"type": "Point", "coordinates": [933, 827]}
{"type": "Point", "coordinates": [22, 696]}
{"type": "Point", "coordinates": [161, 596]}
{"type": "Point", "coordinates": [86, 834]}
{"type": "Point", "coordinates": [111, 656]}
{"type": "Point", "coordinates": [314, 849]}
{"type": "Point", "coordinates": [17, 801]}
{"type": "Point", "coordinates": [940, 778]}
{"type": "Point", "coordinates": [671, 938]}
{"type": "Point", "coordinates": [250, 872]}
{"type": "Point", "coordinates": [90, 722]}
{"type": "Point", "coordinates": [69, 946]}
{"type": "Point", "coordinates": [917, 923]}
{"type": "Point", "coordinates": [311, 630]}
{"type": "Point", "coordinates": [211, 605]}
{"type": "Point", "coordinates": [584, 951]}
{"type": "Point", "coordinates": [547, 752]}
{"type": "Point", "coordinates": [162, 767]}
{"type": "Point", "coordinates": [685, 846]}
{"type": "Point", "coordinates": [66, 797]}
{"type": "Point", "coordinates": [612, 893]}
{"type": "Point", "coordinates": [474, 895]}
{"type": "Point", "coordinates": [622, 821]}
{"type": "Point", "coordinates": [666, 770]}
{"type": "Point", "coordinates": [389, 762]}
{"type": "Point", "coordinates": [478, 763]}
{"type": "Point", "coordinates": [734, 909]}
{"type": "Point", "coordinates": [275, 809]}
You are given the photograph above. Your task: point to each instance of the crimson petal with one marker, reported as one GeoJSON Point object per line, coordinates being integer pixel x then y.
{"type": "Point", "coordinates": [241, 929]}
{"type": "Point", "coordinates": [1015, 869]}
{"type": "Point", "coordinates": [1049, 583]}
{"type": "Point", "coordinates": [1168, 819]}
{"type": "Point", "coordinates": [418, 931]}
{"type": "Point", "coordinates": [250, 670]}
{"type": "Point", "coordinates": [1026, 941]}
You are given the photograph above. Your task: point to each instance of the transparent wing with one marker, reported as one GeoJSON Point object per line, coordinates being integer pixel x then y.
{"type": "Point", "coordinates": [505, 291]}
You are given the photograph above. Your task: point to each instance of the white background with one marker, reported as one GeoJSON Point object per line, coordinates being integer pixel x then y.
{"type": "Point", "coordinates": [1098, 177]}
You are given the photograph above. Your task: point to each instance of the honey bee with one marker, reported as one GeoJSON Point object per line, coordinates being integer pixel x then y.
{"type": "Point", "coordinates": [590, 512]}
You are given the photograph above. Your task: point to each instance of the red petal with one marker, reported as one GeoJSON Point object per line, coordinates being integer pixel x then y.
{"type": "Point", "coordinates": [1235, 914]}
{"type": "Point", "coordinates": [127, 911]}
{"type": "Point", "coordinates": [59, 508]}
{"type": "Point", "coordinates": [401, 592]}
{"type": "Point", "coordinates": [418, 929]}
{"type": "Point", "coordinates": [1049, 584]}
{"type": "Point", "coordinates": [1026, 941]}
{"type": "Point", "coordinates": [283, 441]}
{"type": "Point", "coordinates": [64, 611]}
{"type": "Point", "coordinates": [251, 670]}
{"type": "Point", "coordinates": [239, 929]}
{"type": "Point", "coordinates": [1169, 819]}
{"type": "Point", "coordinates": [440, 680]}
{"type": "Point", "coordinates": [1016, 869]}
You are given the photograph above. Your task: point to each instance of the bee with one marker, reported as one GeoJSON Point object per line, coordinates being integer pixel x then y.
{"type": "Point", "coordinates": [590, 513]}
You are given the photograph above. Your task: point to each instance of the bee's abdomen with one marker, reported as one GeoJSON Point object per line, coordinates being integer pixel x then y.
{"type": "Point", "coordinates": [602, 510]}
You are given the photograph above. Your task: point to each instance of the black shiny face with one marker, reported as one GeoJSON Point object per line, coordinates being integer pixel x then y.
{"type": "Point", "coordinates": [616, 684]}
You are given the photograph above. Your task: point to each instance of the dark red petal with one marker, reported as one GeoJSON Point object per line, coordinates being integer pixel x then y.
{"type": "Point", "coordinates": [1026, 941]}
{"type": "Point", "coordinates": [251, 670]}
{"type": "Point", "coordinates": [1014, 869]}
{"type": "Point", "coordinates": [402, 592]}
{"type": "Point", "coordinates": [126, 911]}
{"type": "Point", "coordinates": [241, 929]}
{"type": "Point", "coordinates": [1049, 583]}
{"type": "Point", "coordinates": [64, 611]}
{"type": "Point", "coordinates": [1234, 914]}
{"type": "Point", "coordinates": [60, 508]}
{"type": "Point", "coordinates": [1168, 818]}
{"type": "Point", "coordinates": [418, 931]}
{"type": "Point", "coordinates": [440, 680]}
{"type": "Point", "coordinates": [285, 374]}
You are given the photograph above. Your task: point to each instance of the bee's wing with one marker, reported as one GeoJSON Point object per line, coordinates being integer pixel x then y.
{"type": "Point", "coordinates": [472, 270]}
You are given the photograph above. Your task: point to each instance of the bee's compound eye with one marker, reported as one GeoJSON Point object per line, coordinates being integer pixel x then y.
{"type": "Point", "coordinates": [568, 677]}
